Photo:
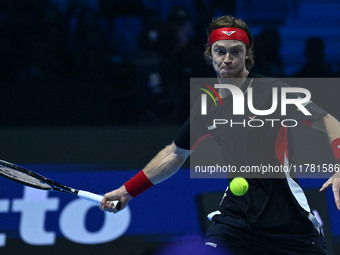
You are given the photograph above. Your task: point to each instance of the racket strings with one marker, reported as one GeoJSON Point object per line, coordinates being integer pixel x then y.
{"type": "Point", "coordinates": [23, 177]}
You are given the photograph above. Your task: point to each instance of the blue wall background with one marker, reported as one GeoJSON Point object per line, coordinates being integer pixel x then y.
{"type": "Point", "coordinates": [162, 214]}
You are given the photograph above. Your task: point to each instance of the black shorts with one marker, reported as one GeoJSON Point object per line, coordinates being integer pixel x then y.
{"type": "Point", "coordinates": [291, 239]}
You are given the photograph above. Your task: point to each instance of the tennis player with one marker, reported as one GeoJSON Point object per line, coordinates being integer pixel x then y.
{"type": "Point", "coordinates": [273, 217]}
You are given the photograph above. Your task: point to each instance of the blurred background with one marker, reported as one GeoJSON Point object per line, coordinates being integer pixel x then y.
{"type": "Point", "coordinates": [90, 90]}
{"type": "Point", "coordinates": [71, 62]}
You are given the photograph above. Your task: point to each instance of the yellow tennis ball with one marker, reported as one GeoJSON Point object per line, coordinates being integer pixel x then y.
{"type": "Point", "coordinates": [239, 186]}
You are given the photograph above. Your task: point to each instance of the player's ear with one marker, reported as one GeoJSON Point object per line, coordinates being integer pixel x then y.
{"type": "Point", "coordinates": [247, 54]}
{"type": "Point", "coordinates": [208, 59]}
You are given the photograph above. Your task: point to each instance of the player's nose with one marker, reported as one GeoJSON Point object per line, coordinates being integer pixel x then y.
{"type": "Point", "coordinates": [227, 59]}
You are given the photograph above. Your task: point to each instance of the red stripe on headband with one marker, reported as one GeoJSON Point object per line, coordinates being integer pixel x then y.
{"type": "Point", "coordinates": [228, 33]}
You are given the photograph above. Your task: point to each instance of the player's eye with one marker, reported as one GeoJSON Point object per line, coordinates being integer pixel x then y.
{"type": "Point", "coordinates": [235, 51]}
{"type": "Point", "coordinates": [220, 51]}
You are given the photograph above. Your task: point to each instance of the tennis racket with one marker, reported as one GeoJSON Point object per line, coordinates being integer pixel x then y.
{"type": "Point", "coordinates": [26, 177]}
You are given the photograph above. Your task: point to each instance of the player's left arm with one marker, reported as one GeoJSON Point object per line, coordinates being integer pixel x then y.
{"type": "Point", "coordinates": [331, 127]}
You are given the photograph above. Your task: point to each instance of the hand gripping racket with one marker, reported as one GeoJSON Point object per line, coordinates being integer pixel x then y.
{"type": "Point", "coordinates": [32, 179]}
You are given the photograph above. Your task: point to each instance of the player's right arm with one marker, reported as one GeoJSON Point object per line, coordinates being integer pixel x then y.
{"type": "Point", "coordinates": [331, 126]}
{"type": "Point", "coordinates": [166, 163]}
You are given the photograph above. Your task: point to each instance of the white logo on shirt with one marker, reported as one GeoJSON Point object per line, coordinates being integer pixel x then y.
{"type": "Point", "coordinates": [211, 244]}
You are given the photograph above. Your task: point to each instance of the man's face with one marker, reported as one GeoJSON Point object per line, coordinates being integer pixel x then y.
{"type": "Point", "coordinates": [229, 58]}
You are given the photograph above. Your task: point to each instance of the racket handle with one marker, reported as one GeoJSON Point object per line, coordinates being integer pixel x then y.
{"type": "Point", "coordinates": [94, 197]}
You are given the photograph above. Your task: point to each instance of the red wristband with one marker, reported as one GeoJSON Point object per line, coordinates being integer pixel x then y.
{"type": "Point", "coordinates": [336, 149]}
{"type": "Point", "coordinates": [138, 184]}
